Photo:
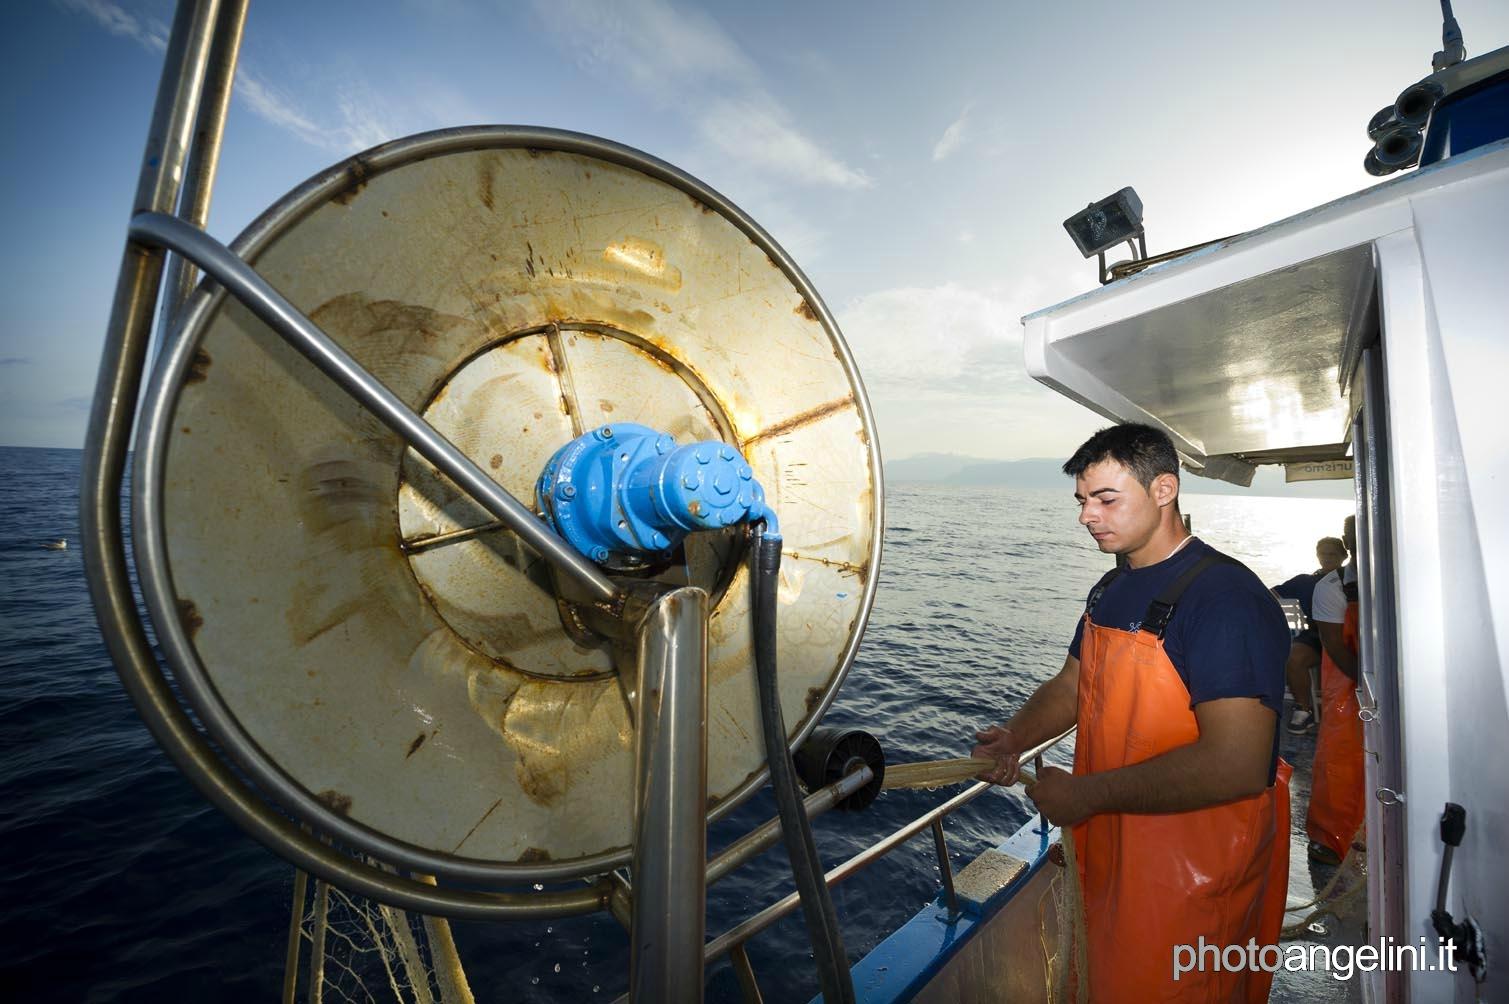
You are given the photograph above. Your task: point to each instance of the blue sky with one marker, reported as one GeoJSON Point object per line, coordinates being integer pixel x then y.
{"type": "Point", "coordinates": [916, 159]}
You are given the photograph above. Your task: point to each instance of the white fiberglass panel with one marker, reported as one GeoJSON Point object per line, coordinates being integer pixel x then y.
{"type": "Point", "coordinates": [1248, 367]}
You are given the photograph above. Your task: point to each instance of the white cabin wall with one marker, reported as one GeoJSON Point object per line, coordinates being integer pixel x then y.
{"type": "Point", "coordinates": [1415, 415]}
{"type": "Point", "coordinates": [1463, 233]}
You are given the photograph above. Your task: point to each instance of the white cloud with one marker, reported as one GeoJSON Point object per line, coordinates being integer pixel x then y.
{"type": "Point", "coordinates": [757, 131]}
{"type": "Point", "coordinates": [939, 341]}
{"type": "Point", "coordinates": [681, 59]}
{"type": "Point", "coordinates": [660, 48]}
{"type": "Point", "coordinates": [943, 368]}
{"type": "Point", "coordinates": [272, 106]}
{"type": "Point", "coordinates": [115, 19]}
{"type": "Point", "coordinates": [360, 121]}
{"type": "Point", "coordinates": [953, 136]}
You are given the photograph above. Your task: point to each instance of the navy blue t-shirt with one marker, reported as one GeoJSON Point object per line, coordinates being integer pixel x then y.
{"type": "Point", "coordinates": [1301, 587]}
{"type": "Point", "coordinates": [1228, 636]}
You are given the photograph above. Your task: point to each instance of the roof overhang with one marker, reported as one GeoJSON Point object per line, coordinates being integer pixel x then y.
{"type": "Point", "coordinates": [1243, 350]}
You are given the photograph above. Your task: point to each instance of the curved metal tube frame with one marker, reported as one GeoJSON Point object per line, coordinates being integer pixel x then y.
{"type": "Point", "coordinates": [258, 296]}
{"type": "Point", "coordinates": [238, 278]}
{"type": "Point", "coordinates": [106, 444]}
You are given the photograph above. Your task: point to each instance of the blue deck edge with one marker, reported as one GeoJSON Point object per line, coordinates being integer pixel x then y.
{"type": "Point", "coordinates": [901, 965]}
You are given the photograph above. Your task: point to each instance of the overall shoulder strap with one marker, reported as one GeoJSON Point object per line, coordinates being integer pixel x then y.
{"type": "Point", "coordinates": [1161, 610]}
{"type": "Point", "coordinates": [1100, 588]}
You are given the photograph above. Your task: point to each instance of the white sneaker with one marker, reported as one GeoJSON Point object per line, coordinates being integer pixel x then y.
{"type": "Point", "coordinates": [1300, 722]}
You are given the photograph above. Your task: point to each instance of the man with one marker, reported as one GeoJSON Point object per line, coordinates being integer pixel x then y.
{"type": "Point", "coordinates": [1178, 801]}
{"type": "Point", "coordinates": [1304, 651]}
{"type": "Point", "coordinates": [1337, 804]}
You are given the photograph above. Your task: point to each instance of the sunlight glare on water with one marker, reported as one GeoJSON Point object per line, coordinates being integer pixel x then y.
{"type": "Point", "coordinates": [1274, 537]}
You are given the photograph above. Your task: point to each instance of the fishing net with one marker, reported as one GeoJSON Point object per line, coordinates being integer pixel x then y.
{"type": "Point", "coordinates": [1344, 897]}
{"type": "Point", "coordinates": [1067, 957]}
{"type": "Point", "coordinates": [1060, 908]}
{"type": "Point", "coordinates": [345, 948]}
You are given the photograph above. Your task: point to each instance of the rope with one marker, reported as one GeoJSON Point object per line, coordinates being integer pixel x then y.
{"type": "Point", "coordinates": [930, 774]}
{"type": "Point", "coordinates": [1075, 904]}
{"type": "Point", "coordinates": [1350, 864]}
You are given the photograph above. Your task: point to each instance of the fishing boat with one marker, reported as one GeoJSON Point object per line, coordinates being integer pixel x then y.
{"type": "Point", "coordinates": [445, 631]}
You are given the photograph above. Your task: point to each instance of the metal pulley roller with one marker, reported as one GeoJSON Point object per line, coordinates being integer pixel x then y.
{"type": "Point", "coordinates": [831, 753]}
{"type": "Point", "coordinates": [373, 650]}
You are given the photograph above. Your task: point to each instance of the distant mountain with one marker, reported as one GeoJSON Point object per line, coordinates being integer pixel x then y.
{"type": "Point", "coordinates": [1040, 473]}
{"type": "Point", "coordinates": [929, 467]}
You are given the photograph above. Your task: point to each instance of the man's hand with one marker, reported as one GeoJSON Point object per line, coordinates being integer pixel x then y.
{"type": "Point", "coordinates": [1063, 797]}
{"type": "Point", "coordinates": [998, 743]}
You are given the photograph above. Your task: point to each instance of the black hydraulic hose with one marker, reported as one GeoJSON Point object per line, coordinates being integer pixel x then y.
{"type": "Point", "coordinates": [806, 867]}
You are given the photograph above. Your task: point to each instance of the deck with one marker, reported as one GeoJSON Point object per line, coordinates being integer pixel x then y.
{"type": "Point", "coordinates": [1306, 878]}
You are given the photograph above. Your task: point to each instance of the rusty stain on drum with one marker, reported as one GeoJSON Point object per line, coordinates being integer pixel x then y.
{"type": "Point", "coordinates": [862, 572]}
{"type": "Point", "coordinates": [485, 182]}
{"type": "Point", "coordinates": [357, 173]}
{"type": "Point", "coordinates": [304, 624]}
{"type": "Point", "coordinates": [550, 728]}
{"type": "Point", "coordinates": [477, 825]}
{"type": "Point", "coordinates": [804, 418]}
{"type": "Point", "coordinates": [189, 615]}
{"type": "Point", "coordinates": [199, 367]}
{"type": "Point", "coordinates": [357, 315]}
{"type": "Point", "coordinates": [804, 309]}
{"type": "Point", "coordinates": [336, 492]}
{"type": "Point", "coordinates": [338, 802]}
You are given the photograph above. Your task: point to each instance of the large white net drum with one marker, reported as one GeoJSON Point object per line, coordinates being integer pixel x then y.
{"type": "Point", "coordinates": [357, 633]}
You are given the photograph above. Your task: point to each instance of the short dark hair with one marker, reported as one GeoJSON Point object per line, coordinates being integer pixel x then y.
{"type": "Point", "coordinates": [1145, 451]}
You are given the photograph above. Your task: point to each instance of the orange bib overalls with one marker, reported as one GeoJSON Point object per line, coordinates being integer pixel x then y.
{"type": "Point", "coordinates": [1338, 786]}
{"type": "Point", "coordinates": [1154, 881]}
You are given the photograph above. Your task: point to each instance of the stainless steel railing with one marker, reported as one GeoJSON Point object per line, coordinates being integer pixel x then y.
{"type": "Point", "coordinates": [934, 817]}
{"type": "Point", "coordinates": [732, 941]}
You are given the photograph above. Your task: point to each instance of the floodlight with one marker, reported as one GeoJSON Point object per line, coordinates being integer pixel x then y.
{"type": "Point", "coordinates": [1116, 219]}
{"type": "Point", "coordinates": [1104, 224]}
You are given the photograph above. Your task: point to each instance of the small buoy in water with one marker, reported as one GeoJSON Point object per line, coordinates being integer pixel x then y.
{"type": "Point", "coordinates": [56, 545]}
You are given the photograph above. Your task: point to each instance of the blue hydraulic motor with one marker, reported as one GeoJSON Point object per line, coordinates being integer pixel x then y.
{"type": "Point", "coordinates": [624, 494]}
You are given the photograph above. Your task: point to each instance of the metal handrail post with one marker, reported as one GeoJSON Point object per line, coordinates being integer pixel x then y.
{"type": "Point", "coordinates": [749, 987]}
{"type": "Point", "coordinates": [118, 384]}
{"type": "Point", "coordinates": [1037, 771]}
{"type": "Point", "coordinates": [129, 333]}
{"type": "Point", "coordinates": [289, 323]}
{"type": "Point", "coordinates": [670, 839]}
{"type": "Point", "coordinates": [945, 869]}
{"type": "Point", "coordinates": [204, 152]}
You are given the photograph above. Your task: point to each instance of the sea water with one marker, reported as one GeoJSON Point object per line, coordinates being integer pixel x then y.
{"type": "Point", "coordinates": [119, 882]}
